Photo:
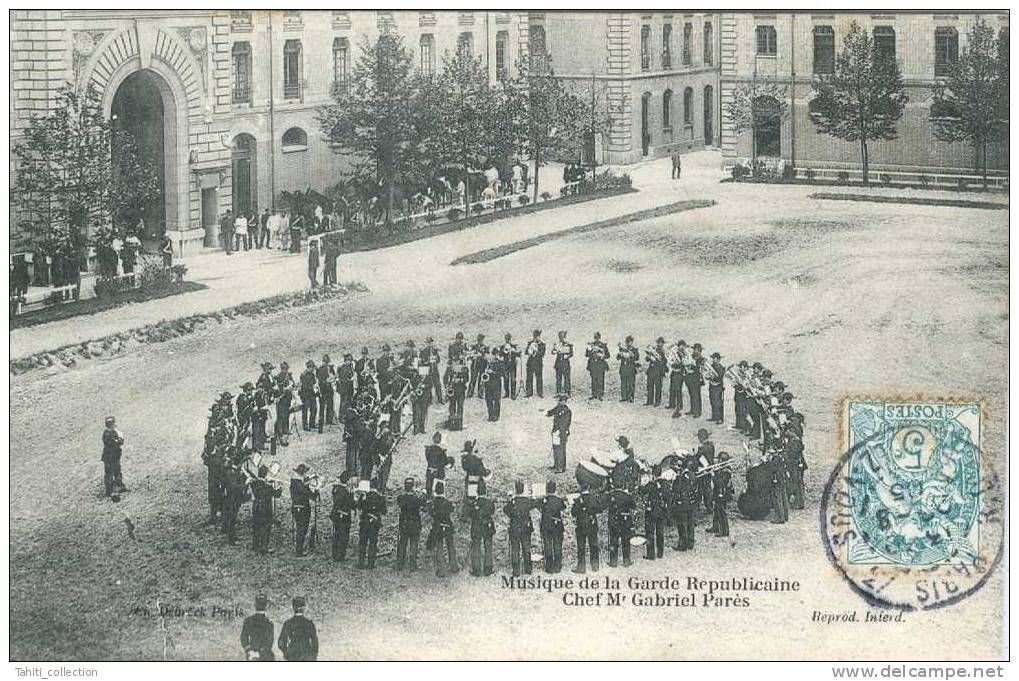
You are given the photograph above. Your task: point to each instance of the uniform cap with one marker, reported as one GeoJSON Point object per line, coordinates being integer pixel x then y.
{"type": "Point", "coordinates": [364, 350]}
{"type": "Point", "coordinates": [347, 356]}
{"type": "Point", "coordinates": [344, 476]}
{"type": "Point", "coordinates": [660, 340]}
{"type": "Point", "coordinates": [301, 469]}
{"type": "Point", "coordinates": [701, 432]}
{"type": "Point", "coordinates": [562, 397]}
{"type": "Point", "coordinates": [261, 601]}
{"type": "Point", "coordinates": [248, 386]}
{"type": "Point", "coordinates": [537, 332]}
{"type": "Point", "coordinates": [622, 441]}
{"type": "Point", "coordinates": [284, 366]}
{"type": "Point", "coordinates": [429, 340]}
{"type": "Point", "coordinates": [550, 487]}
{"type": "Point", "coordinates": [310, 364]}
{"type": "Point", "coordinates": [459, 335]}
{"type": "Point", "coordinates": [385, 347]}
{"type": "Point", "coordinates": [715, 355]}
{"type": "Point", "coordinates": [267, 365]}
{"type": "Point", "coordinates": [698, 346]}
{"type": "Point", "coordinates": [299, 602]}
{"type": "Point", "coordinates": [437, 437]}
{"type": "Point", "coordinates": [109, 420]}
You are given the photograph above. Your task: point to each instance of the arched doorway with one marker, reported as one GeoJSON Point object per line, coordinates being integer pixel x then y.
{"type": "Point", "coordinates": [139, 109]}
{"type": "Point", "coordinates": [767, 127]}
{"type": "Point", "coordinates": [645, 124]}
{"type": "Point", "coordinates": [709, 116]}
{"type": "Point", "coordinates": [245, 184]}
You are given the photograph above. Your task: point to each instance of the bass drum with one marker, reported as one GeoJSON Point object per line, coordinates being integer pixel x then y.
{"type": "Point", "coordinates": [591, 476]}
{"type": "Point", "coordinates": [755, 502]}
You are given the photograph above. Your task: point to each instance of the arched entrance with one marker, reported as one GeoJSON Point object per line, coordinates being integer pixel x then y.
{"type": "Point", "coordinates": [143, 108]}
{"type": "Point", "coordinates": [245, 183]}
{"type": "Point", "coordinates": [709, 116]}
{"type": "Point", "coordinates": [645, 124]}
{"type": "Point", "coordinates": [767, 127]}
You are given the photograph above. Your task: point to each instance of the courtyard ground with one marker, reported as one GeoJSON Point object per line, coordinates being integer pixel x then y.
{"type": "Point", "coordinates": [837, 298]}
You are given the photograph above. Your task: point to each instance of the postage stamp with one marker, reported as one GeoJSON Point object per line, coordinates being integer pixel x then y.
{"type": "Point", "coordinates": [911, 516]}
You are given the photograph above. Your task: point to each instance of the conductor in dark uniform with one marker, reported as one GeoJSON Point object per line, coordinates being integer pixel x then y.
{"type": "Point", "coordinates": [113, 443]}
{"type": "Point", "coordinates": [493, 386]}
{"type": "Point", "coordinates": [482, 517]}
{"type": "Point", "coordinates": [258, 633]}
{"type": "Point", "coordinates": [597, 364]}
{"type": "Point", "coordinates": [520, 528]}
{"type": "Point", "coordinates": [551, 525]}
{"type": "Point", "coordinates": [562, 418]}
{"type": "Point", "coordinates": [409, 527]}
{"type": "Point", "coordinates": [298, 638]}
{"type": "Point", "coordinates": [535, 353]}
{"type": "Point", "coordinates": [655, 374]}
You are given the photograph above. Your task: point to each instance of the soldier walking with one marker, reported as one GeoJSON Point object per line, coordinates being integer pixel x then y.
{"type": "Point", "coordinates": [298, 638]}
{"type": "Point", "coordinates": [258, 633]}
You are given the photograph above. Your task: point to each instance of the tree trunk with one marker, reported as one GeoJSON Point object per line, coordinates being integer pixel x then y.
{"type": "Point", "coordinates": [863, 157]}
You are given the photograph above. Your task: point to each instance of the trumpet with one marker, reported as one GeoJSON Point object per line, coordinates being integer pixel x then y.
{"type": "Point", "coordinates": [486, 376]}
{"type": "Point", "coordinates": [449, 390]}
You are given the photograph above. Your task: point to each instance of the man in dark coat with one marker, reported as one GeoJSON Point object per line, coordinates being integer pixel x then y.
{"type": "Point", "coordinates": [493, 387]}
{"type": "Point", "coordinates": [585, 512]}
{"type": "Point", "coordinates": [309, 396]}
{"type": "Point", "coordinates": [563, 351]}
{"type": "Point", "coordinates": [629, 358]}
{"type": "Point", "coordinates": [258, 633]}
{"type": "Point", "coordinates": [535, 353]}
{"type": "Point", "coordinates": [113, 443]}
{"type": "Point", "coordinates": [429, 357]}
{"type": "Point", "coordinates": [436, 460]}
{"type": "Point", "coordinates": [655, 495]}
{"type": "Point", "coordinates": [705, 457]}
{"type": "Point", "coordinates": [510, 353]}
{"type": "Point", "coordinates": [551, 524]}
{"type": "Point", "coordinates": [245, 408]}
{"type": "Point", "coordinates": [372, 507]}
{"type": "Point", "coordinates": [298, 638]}
{"type": "Point", "coordinates": [797, 466]}
{"type": "Point", "coordinates": [722, 494]}
{"type": "Point", "coordinates": [263, 496]}
{"type": "Point", "coordinates": [597, 354]}
{"type": "Point", "coordinates": [684, 506]}
{"type": "Point", "coordinates": [655, 374]}
{"type": "Point", "coordinates": [441, 537]}
{"type": "Point", "coordinates": [520, 528]}
{"type": "Point", "coordinates": [626, 473]}
{"type": "Point", "coordinates": [284, 400]}
{"type": "Point", "coordinates": [410, 503]}
{"type": "Point", "coordinates": [620, 525]}
{"type": "Point", "coordinates": [326, 375]}
{"type": "Point", "coordinates": [694, 379]}
{"type": "Point", "coordinates": [482, 517]}
{"type": "Point", "coordinates": [346, 381]}
{"type": "Point", "coordinates": [341, 516]}
{"type": "Point", "coordinates": [313, 260]}
{"type": "Point", "coordinates": [301, 499]}
{"type": "Point", "coordinates": [479, 357]}
{"type": "Point", "coordinates": [716, 388]}
{"type": "Point", "coordinates": [562, 419]}
{"type": "Point", "coordinates": [226, 231]}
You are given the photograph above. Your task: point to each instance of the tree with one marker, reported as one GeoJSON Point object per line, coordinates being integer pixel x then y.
{"type": "Point", "coordinates": [756, 104]}
{"type": "Point", "coordinates": [863, 99]}
{"type": "Point", "coordinates": [376, 119]}
{"type": "Point", "coordinates": [971, 105]}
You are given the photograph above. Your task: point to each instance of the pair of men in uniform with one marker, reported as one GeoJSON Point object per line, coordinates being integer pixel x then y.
{"type": "Point", "coordinates": [298, 638]}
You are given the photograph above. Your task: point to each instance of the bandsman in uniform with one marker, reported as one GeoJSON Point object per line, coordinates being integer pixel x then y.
{"type": "Point", "coordinates": [716, 388]}
{"type": "Point", "coordinates": [258, 633]}
{"type": "Point", "coordinates": [722, 493]}
{"type": "Point", "coordinates": [755, 413]}
{"type": "Point", "coordinates": [410, 503]}
{"type": "Point", "coordinates": [436, 461]}
{"type": "Point", "coordinates": [677, 371]}
{"type": "Point", "coordinates": [326, 374]}
{"type": "Point", "coordinates": [456, 389]}
{"type": "Point", "coordinates": [740, 398]}
{"type": "Point", "coordinates": [301, 499]}
{"type": "Point", "coordinates": [113, 450]}
{"type": "Point", "coordinates": [430, 357]}
{"type": "Point", "coordinates": [478, 354]}
{"type": "Point", "coordinates": [684, 506]}
{"type": "Point", "coordinates": [797, 465]}
{"type": "Point", "coordinates": [284, 401]}
{"type": "Point", "coordinates": [384, 366]}
{"type": "Point", "coordinates": [409, 354]}
{"type": "Point", "coordinates": [482, 518]}
{"type": "Point", "coordinates": [441, 538]}
{"type": "Point", "coordinates": [215, 461]}
{"type": "Point", "coordinates": [585, 512]}
{"type": "Point", "coordinates": [266, 382]}
{"type": "Point", "coordinates": [705, 457]}
{"type": "Point", "coordinates": [264, 493]}
{"type": "Point", "coordinates": [620, 525]}
{"type": "Point", "coordinates": [493, 386]}
{"type": "Point", "coordinates": [341, 516]}
{"type": "Point", "coordinates": [597, 354]}
{"type": "Point", "coordinates": [518, 509]}
{"type": "Point", "coordinates": [457, 350]}
{"type": "Point", "coordinates": [655, 373]}
{"type": "Point", "coordinates": [245, 407]}
{"type": "Point", "coordinates": [309, 396]}
{"type": "Point", "coordinates": [656, 511]}
{"type": "Point", "coordinates": [629, 358]}
{"type": "Point", "coordinates": [420, 400]}
{"type": "Point", "coordinates": [236, 494]}
{"type": "Point", "coordinates": [779, 487]}
{"type": "Point", "coordinates": [535, 352]}
{"type": "Point", "coordinates": [510, 358]}
{"type": "Point", "coordinates": [364, 366]}
{"type": "Point", "coordinates": [626, 473]}
{"type": "Point", "coordinates": [353, 434]}
{"type": "Point", "coordinates": [475, 473]}
{"type": "Point", "coordinates": [298, 638]}
{"type": "Point", "coordinates": [562, 419]}
{"type": "Point", "coordinates": [694, 380]}
{"type": "Point", "coordinates": [551, 524]}
{"type": "Point", "coordinates": [563, 351]}
{"type": "Point", "coordinates": [259, 417]}
{"type": "Point", "coordinates": [372, 506]}
{"type": "Point", "coordinates": [346, 382]}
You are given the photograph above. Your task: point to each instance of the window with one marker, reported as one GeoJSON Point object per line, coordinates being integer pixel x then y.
{"type": "Point", "coordinates": [241, 55]}
{"type": "Point", "coordinates": [709, 44]}
{"type": "Point", "coordinates": [667, 110]}
{"type": "Point", "coordinates": [292, 69]}
{"type": "Point", "coordinates": [688, 106]}
{"type": "Point", "coordinates": [502, 56]}
{"type": "Point", "coordinates": [884, 43]}
{"type": "Point", "coordinates": [295, 137]}
{"type": "Point", "coordinates": [341, 64]}
{"type": "Point", "coordinates": [465, 41]}
{"type": "Point", "coordinates": [645, 48]}
{"type": "Point", "coordinates": [687, 37]}
{"type": "Point", "coordinates": [538, 49]}
{"type": "Point", "coordinates": [240, 20]}
{"type": "Point", "coordinates": [946, 49]}
{"type": "Point", "coordinates": [767, 41]}
{"type": "Point", "coordinates": [426, 47]}
{"type": "Point", "coordinates": [824, 49]}
{"type": "Point", "coordinates": [667, 46]}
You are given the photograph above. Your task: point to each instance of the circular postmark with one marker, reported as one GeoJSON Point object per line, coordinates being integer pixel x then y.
{"type": "Point", "coordinates": [912, 515]}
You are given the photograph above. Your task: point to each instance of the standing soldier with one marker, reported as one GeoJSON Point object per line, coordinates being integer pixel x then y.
{"type": "Point", "coordinates": [457, 350]}
{"type": "Point", "coordinates": [722, 494]}
{"type": "Point", "coordinates": [410, 503]}
{"type": "Point", "coordinates": [629, 358]}
{"type": "Point", "coordinates": [309, 396]}
{"type": "Point", "coordinates": [779, 490]}
{"type": "Point", "coordinates": [263, 494]}
{"type": "Point", "coordinates": [441, 540]}
{"type": "Point", "coordinates": [346, 382]}
{"type": "Point", "coordinates": [716, 388]}
{"type": "Point", "coordinates": [341, 516]}
{"type": "Point", "coordinates": [215, 462]}
{"type": "Point", "coordinates": [301, 498]}
{"type": "Point", "coordinates": [284, 400]}
{"type": "Point", "coordinates": [259, 417]}
{"type": "Point", "coordinates": [384, 368]}
{"type": "Point", "coordinates": [372, 506]}
{"type": "Point", "coordinates": [656, 368]}
{"type": "Point", "coordinates": [430, 357]}
{"type": "Point", "coordinates": [535, 352]}
{"type": "Point", "coordinates": [456, 387]}
{"type": "Point", "coordinates": [626, 473]}
{"type": "Point", "coordinates": [482, 517]}
{"type": "Point", "coordinates": [493, 386]}
{"type": "Point", "coordinates": [563, 351]}
{"type": "Point", "coordinates": [739, 397]}
{"type": "Point", "coordinates": [113, 443]}
{"type": "Point", "coordinates": [245, 407]}
{"type": "Point", "coordinates": [677, 370]}
{"type": "Point", "coordinates": [236, 494]}
{"type": "Point", "coordinates": [585, 512]}
{"type": "Point", "coordinates": [420, 400]}
{"type": "Point", "coordinates": [474, 474]}
{"type": "Point", "coordinates": [797, 467]}
{"type": "Point", "coordinates": [655, 511]}
{"type": "Point", "coordinates": [597, 364]}
{"type": "Point", "coordinates": [326, 374]}
{"type": "Point", "coordinates": [520, 528]}
{"type": "Point", "coordinates": [436, 461]}
{"type": "Point", "coordinates": [478, 353]}
{"type": "Point", "coordinates": [510, 359]}
{"type": "Point", "coordinates": [298, 638]}
{"type": "Point", "coordinates": [705, 457]}
{"type": "Point", "coordinates": [266, 382]}
{"type": "Point", "coordinates": [353, 428]}
{"type": "Point", "coordinates": [551, 525]}
{"type": "Point", "coordinates": [562, 419]}
{"type": "Point", "coordinates": [684, 504]}
{"type": "Point", "coordinates": [258, 633]}
{"type": "Point", "coordinates": [620, 525]}
{"type": "Point", "coordinates": [694, 380]}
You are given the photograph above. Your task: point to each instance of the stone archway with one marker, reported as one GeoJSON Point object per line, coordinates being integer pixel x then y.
{"type": "Point", "coordinates": [138, 109]}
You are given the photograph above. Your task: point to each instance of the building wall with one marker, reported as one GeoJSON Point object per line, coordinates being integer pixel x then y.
{"type": "Point", "coordinates": [792, 68]}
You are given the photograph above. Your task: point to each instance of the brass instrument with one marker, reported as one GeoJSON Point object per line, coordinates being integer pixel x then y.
{"type": "Point", "coordinates": [449, 390]}
{"type": "Point", "coordinates": [707, 372]}
{"type": "Point", "coordinates": [486, 376]}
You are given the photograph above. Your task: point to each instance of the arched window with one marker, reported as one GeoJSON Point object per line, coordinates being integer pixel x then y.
{"type": "Point", "coordinates": [687, 39]}
{"type": "Point", "coordinates": [295, 138]}
{"type": "Point", "coordinates": [645, 47]}
{"type": "Point", "coordinates": [946, 49]}
{"type": "Point", "coordinates": [241, 55]}
{"type": "Point", "coordinates": [824, 49]}
{"type": "Point", "coordinates": [688, 106]}
{"type": "Point", "coordinates": [767, 41]}
{"type": "Point", "coordinates": [709, 44]}
{"type": "Point", "coordinates": [667, 110]}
